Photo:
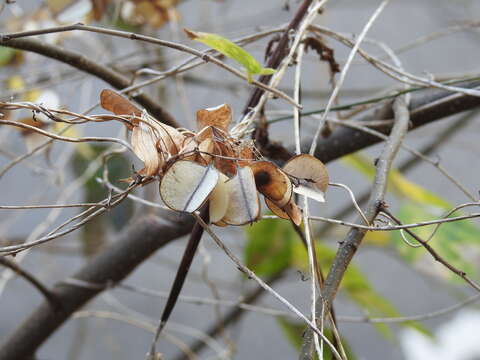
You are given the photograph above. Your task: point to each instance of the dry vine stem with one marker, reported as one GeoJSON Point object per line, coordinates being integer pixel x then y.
{"type": "Point", "coordinates": [204, 153]}
{"type": "Point", "coordinates": [354, 238]}
{"type": "Point", "coordinates": [259, 99]}
{"type": "Point", "coordinates": [215, 169]}
{"type": "Point", "coordinates": [252, 275]}
{"type": "Point", "coordinates": [6, 38]}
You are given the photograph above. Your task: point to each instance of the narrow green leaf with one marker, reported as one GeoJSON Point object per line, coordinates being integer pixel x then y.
{"type": "Point", "coordinates": [6, 55]}
{"type": "Point", "coordinates": [118, 168]}
{"type": "Point", "coordinates": [356, 287]}
{"type": "Point", "coordinates": [453, 241]}
{"type": "Point", "coordinates": [398, 184]}
{"type": "Point", "coordinates": [294, 330]}
{"type": "Point", "coordinates": [269, 246]}
{"type": "Point", "coordinates": [231, 50]}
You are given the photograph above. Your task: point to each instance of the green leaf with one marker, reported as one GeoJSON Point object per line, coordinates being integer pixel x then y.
{"type": "Point", "coordinates": [356, 287]}
{"type": "Point", "coordinates": [269, 246]}
{"type": "Point", "coordinates": [6, 55]}
{"type": "Point", "coordinates": [118, 168]}
{"type": "Point", "coordinates": [293, 331]}
{"type": "Point", "coordinates": [398, 184]}
{"type": "Point", "coordinates": [231, 50]}
{"type": "Point", "coordinates": [456, 242]}
{"type": "Point", "coordinates": [452, 241]}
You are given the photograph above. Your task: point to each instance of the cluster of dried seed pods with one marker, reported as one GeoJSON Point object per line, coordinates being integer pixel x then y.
{"type": "Point", "coordinates": [211, 165]}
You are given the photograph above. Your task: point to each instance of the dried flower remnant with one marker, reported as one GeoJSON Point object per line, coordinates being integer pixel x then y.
{"type": "Point", "coordinates": [211, 165]}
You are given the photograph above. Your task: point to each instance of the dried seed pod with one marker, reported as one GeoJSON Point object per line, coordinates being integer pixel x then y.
{"type": "Point", "coordinates": [272, 182]}
{"type": "Point", "coordinates": [186, 185]}
{"type": "Point", "coordinates": [290, 211]}
{"type": "Point", "coordinates": [219, 199]}
{"type": "Point", "coordinates": [206, 147]}
{"type": "Point", "coordinates": [221, 223]}
{"type": "Point", "coordinates": [311, 176]}
{"type": "Point", "coordinates": [244, 204]}
{"type": "Point", "coordinates": [188, 148]}
{"type": "Point", "coordinates": [114, 102]}
{"type": "Point", "coordinates": [246, 154]}
{"type": "Point", "coordinates": [219, 117]}
{"type": "Point", "coordinates": [222, 163]}
{"type": "Point", "coordinates": [144, 143]}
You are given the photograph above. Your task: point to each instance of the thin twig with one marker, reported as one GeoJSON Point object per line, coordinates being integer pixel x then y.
{"type": "Point", "coordinates": [49, 296]}
{"type": "Point", "coordinates": [252, 275]}
{"type": "Point", "coordinates": [6, 38]}
{"type": "Point", "coordinates": [432, 251]}
{"type": "Point", "coordinates": [343, 74]}
{"type": "Point", "coordinates": [354, 237]}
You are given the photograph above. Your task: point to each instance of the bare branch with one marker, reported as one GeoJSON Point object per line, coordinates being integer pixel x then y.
{"type": "Point", "coordinates": [92, 67]}
{"type": "Point", "coordinates": [49, 296]}
{"type": "Point", "coordinates": [112, 265]}
{"type": "Point", "coordinates": [349, 246]}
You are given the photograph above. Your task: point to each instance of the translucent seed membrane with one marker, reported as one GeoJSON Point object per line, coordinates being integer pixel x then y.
{"type": "Point", "coordinates": [244, 205]}
{"type": "Point", "coordinates": [186, 185]}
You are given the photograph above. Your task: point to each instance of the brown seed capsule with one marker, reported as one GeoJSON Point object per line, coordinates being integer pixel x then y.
{"type": "Point", "coordinates": [289, 211]}
{"type": "Point", "coordinates": [218, 117]}
{"type": "Point", "coordinates": [310, 175]}
{"type": "Point", "coordinates": [272, 182]}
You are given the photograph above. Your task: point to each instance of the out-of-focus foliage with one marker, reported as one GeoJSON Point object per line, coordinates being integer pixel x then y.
{"type": "Point", "coordinates": [294, 330]}
{"type": "Point", "coordinates": [456, 242]}
{"type": "Point", "coordinates": [273, 246]}
{"type": "Point", "coordinates": [94, 232]}
{"type": "Point", "coordinates": [269, 247]}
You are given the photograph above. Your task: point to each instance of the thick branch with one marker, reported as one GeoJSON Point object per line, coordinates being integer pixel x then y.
{"type": "Point", "coordinates": [82, 63]}
{"type": "Point", "coordinates": [76, 297]}
{"type": "Point", "coordinates": [278, 54]}
{"type": "Point", "coordinates": [53, 301]}
{"type": "Point", "coordinates": [426, 106]}
{"type": "Point", "coordinates": [112, 265]}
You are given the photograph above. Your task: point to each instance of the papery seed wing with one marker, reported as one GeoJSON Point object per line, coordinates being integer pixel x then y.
{"type": "Point", "coordinates": [186, 185]}
{"type": "Point", "coordinates": [244, 205]}
{"type": "Point", "coordinates": [272, 182]}
{"type": "Point", "coordinates": [309, 170]}
{"type": "Point", "coordinates": [119, 105]}
{"type": "Point", "coordinates": [310, 174]}
{"type": "Point", "coordinates": [289, 211]}
{"type": "Point", "coordinates": [169, 139]}
{"type": "Point", "coordinates": [310, 192]}
{"type": "Point", "coordinates": [246, 154]}
{"type": "Point", "coordinates": [221, 223]}
{"type": "Point", "coordinates": [223, 163]}
{"type": "Point", "coordinates": [188, 148]}
{"type": "Point", "coordinates": [144, 145]}
{"type": "Point", "coordinates": [219, 117]}
{"type": "Point", "coordinates": [206, 148]}
{"type": "Point", "coordinates": [219, 199]}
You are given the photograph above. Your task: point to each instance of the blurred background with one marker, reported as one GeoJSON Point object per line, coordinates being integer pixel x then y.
{"type": "Point", "coordinates": [391, 279]}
